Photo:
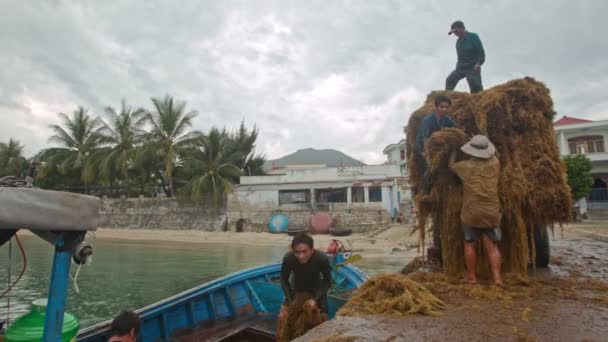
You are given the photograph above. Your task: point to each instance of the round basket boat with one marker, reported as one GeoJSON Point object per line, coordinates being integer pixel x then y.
{"type": "Point", "coordinates": [336, 231]}
{"type": "Point", "coordinates": [295, 230]}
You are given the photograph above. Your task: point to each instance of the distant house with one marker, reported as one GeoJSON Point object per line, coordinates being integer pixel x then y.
{"type": "Point", "coordinates": [358, 197]}
{"type": "Point", "coordinates": [580, 136]}
{"type": "Point", "coordinates": [395, 154]}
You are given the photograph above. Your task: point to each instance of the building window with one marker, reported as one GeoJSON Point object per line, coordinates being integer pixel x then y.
{"type": "Point", "coordinates": [294, 196]}
{"type": "Point", "coordinates": [586, 144]}
{"type": "Point", "coordinates": [358, 195]}
{"type": "Point", "coordinates": [375, 194]}
{"type": "Point", "coordinates": [330, 195]}
{"type": "Point", "coordinates": [402, 154]}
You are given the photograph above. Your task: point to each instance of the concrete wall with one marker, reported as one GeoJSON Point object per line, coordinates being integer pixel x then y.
{"type": "Point", "coordinates": [256, 215]}
{"type": "Point", "coordinates": [151, 213]}
{"type": "Point", "coordinates": [394, 155]}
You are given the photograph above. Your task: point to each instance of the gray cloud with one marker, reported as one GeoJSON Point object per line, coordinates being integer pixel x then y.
{"type": "Point", "coordinates": [339, 74]}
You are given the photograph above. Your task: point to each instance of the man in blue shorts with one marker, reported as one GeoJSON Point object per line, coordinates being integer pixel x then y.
{"type": "Point", "coordinates": [480, 214]}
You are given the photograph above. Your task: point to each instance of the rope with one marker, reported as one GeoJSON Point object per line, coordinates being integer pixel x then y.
{"type": "Point", "coordinates": [12, 182]}
{"type": "Point", "coordinates": [8, 298]}
{"type": "Point", "coordinates": [22, 270]}
{"type": "Point", "coordinates": [11, 285]}
{"type": "Point", "coordinates": [75, 279]}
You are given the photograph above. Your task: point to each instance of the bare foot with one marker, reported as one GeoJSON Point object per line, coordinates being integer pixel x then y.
{"type": "Point", "coordinates": [469, 281]}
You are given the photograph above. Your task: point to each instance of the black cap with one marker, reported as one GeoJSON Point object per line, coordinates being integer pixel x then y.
{"type": "Point", "coordinates": [455, 25]}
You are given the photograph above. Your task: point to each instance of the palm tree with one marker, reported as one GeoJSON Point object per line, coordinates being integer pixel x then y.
{"type": "Point", "coordinates": [243, 143]}
{"type": "Point", "coordinates": [78, 139]}
{"type": "Point", "coordinates": [12, 162]}
{"type": "Point", "coordinates": [254, 165]}
{"type": "Point", "coordinates": [169, 136]}
{"type": "Point", "coordinates": [123, 135]}
{"type": "Point", "coordinates": [212, 166]}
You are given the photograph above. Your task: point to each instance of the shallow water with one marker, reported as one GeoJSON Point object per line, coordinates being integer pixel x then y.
{"type": "Point", "coordinates": [127, 275]}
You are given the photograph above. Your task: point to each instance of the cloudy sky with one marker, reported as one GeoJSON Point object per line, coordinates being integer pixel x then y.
{"type": "Point", "coordinates": [322, 74]}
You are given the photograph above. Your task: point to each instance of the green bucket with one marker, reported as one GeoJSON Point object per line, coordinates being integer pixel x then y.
{"type": "Point", "coordinates": [30, 327]}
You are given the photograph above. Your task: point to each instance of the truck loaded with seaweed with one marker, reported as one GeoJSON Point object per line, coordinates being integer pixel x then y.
{"type": "Point", "coordinates": [518, 118]}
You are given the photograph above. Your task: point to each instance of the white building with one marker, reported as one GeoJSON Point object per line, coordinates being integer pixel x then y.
{"type": "Point", "coordinates": [395, 154]}
{"type": "Point", "coordinates": [359, 186]}
{"type": "Point", "coordinates": [579, 136]}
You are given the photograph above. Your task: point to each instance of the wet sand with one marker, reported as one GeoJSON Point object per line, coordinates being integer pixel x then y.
{"type": "Point", "coordinates": [567, 302]}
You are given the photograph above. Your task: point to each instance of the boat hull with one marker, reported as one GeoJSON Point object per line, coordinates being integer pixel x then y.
{"type": "Point", "coordinates": [217, 308]}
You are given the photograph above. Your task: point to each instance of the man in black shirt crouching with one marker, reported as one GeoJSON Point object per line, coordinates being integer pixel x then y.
{"type": "Point", "coordinates": [311, 274]}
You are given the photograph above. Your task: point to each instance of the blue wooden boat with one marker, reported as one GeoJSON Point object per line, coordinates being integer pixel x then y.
{"type": "Point", "coordinates": [240, 306]}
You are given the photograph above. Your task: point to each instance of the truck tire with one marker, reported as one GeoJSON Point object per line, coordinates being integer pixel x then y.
{"type": "Point", "coordinates": [541, 240]}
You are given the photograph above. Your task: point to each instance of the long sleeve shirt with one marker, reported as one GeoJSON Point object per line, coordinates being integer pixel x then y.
{"type": "Point", "coordinates": [430, 124]}
{"type": "Point", "coordinates": [470, 51]}
{"type": "Point", "coordinates": [313, 277]}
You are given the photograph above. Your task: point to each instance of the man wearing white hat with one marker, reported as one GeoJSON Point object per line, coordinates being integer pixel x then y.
{"type": "Point", "coordinates": [480, 214]}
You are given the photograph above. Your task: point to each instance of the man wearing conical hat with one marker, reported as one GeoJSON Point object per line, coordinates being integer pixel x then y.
{"type": "Point", "coordinates": [480, 214]}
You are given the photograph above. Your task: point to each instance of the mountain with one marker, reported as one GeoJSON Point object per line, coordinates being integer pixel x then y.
{"type": "Point", "coordinates": [329, 157]}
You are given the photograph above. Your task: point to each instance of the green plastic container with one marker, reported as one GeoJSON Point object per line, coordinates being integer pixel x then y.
{"type": "Point", "coordinates": [30, 327]}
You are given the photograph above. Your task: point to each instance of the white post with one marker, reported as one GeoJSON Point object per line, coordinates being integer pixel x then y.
{"type": "Point", "coordinates": [349, 196]}
{"type": "Point", "coordinates": [387, 199]}
{"type": "Point", "coordinates": [396, 195]}
{"type": "Point", "coordinates": [563, 147]}
{"type": "Point", "coordinates": [582, 206]}
{"type": "Point", "coordinates": [312, 196]}
{"type": "Point", "coordinates": [366, 194]}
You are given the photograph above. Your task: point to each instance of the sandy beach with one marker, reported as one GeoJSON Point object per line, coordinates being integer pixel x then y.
{"type": "Point", "coordinates": [391, 245]}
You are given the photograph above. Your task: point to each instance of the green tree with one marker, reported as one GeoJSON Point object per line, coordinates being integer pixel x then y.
{"type": "Point", "coordinates": [12, 162]}
{"type": "Point", "coordinates": [78, 139]}
{"type": "Point", "coordinates": [169, 137]}
{"type": "Point", "coordinates": [579, 175]}
{"type": "Point", "coordinates": [122, 135]}
{"type": "Point", "coordinates": [242, 143]}
{"type": "Point", "coordinates": [212, 167]}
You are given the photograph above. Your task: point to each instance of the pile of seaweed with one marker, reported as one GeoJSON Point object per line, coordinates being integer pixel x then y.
{"type": "Point", "coordinates": [391, 295]}
{"type": "Point", "coordinates": [300, 319]}
{"type": "Point", "coordinates": [518, 118]}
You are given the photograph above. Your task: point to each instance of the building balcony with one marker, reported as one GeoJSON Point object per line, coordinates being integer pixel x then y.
{"type": "Point", "coordinates": [594, 157]}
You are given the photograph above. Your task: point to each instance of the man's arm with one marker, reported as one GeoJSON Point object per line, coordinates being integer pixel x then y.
{"type": "Point", "coordinates": [481, 51]}
{"type": "Point", "coordinates": [326, 281]}
{"type": "Point", "coordinates": [419, 146]}
{"type": "Point", "coordinates": [285, 272]}
{"type": "Point", "coordinates": [448, 122]}
{"type": "Point", "coordinates": [452, 164]}
{"type": "Point", "coordinates": [426, 134]}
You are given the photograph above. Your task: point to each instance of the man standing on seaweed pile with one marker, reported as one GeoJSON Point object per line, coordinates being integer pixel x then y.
{"type": "Point", "coordinates": [480, 214]}
{"type": "Point", "coordinates": [471, 57]}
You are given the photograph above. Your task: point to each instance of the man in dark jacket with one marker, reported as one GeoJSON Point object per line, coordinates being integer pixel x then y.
{"type": "Point", "coordinates": [471, 57]}
{"type": "Point", "coordinates": [430, 124]}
